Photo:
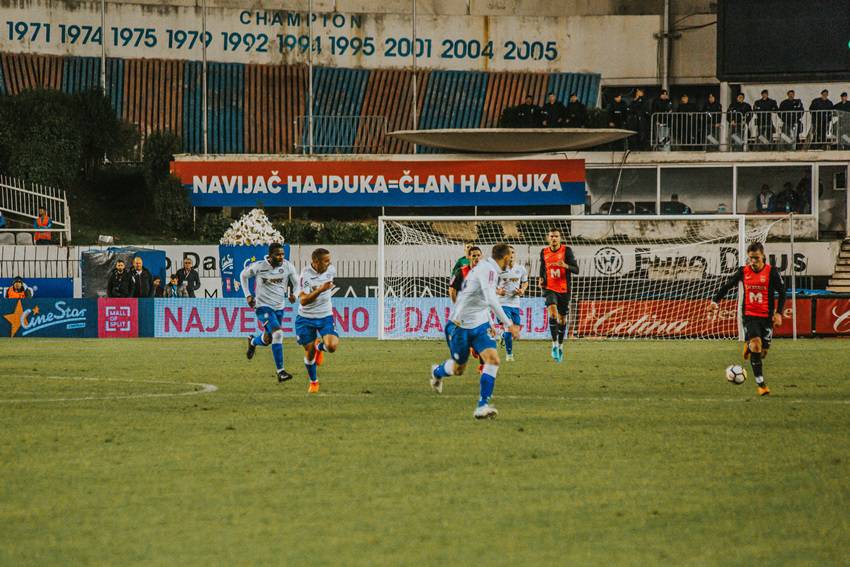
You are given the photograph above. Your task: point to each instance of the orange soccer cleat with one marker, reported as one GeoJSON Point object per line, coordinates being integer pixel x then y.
{"type": "Point", "coordinates": [320, 355]}
{"type": "Point", "coordinates": [763, 390]}
{"type": "Point", "coordinates": [314, 388]}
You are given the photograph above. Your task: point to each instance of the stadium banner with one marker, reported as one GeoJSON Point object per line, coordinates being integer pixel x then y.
{"type": "Point", "coordinates": [832, 317]}
{"type": "Point", "coordinates": [234, 259]}
{"type": "Point", "coordinates": [48, 318]}
{"type": "Point", "coordinates": [117, 318]}
{"type": "Point", "coordinates": [804, 319]}
{"type": "Point", "coordinates": [279, 33]}
{"type": "Point", "coordinates": [424, 183]}
{"type": "Point", "coordinates": [42, 287]}
{"type": "Point", "coordinates": [656, 318]}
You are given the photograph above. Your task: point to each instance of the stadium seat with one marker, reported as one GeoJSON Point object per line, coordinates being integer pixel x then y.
{"type": "Point", "coordinates": [7, 238]}
{"type": "Point", "coordinates": [24, 239]}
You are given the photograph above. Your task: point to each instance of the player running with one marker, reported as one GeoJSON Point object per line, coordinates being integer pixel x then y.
{"type": "Point", "coordinates": [314, 325]}
{"type": "Point", "coordinates": [557, 264]}
{"type": "Point", "coordinates": [275, 279]}
{"type": "Point", "coordinates": [761, 282]}
{"type": "Point", "coordinates": [513, 283]}
{"type": "Point", "coordinates": [469, 325]}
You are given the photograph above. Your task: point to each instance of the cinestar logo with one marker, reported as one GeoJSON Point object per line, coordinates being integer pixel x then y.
{"type": "Point", "coordinates": [842, 322]}
{"type": "Point", "coordinates": [117, 319]}
{"type": "Point", "coordinates": [34, 320]}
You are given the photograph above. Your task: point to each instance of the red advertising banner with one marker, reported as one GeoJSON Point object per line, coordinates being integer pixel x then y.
{"type": "Point", "coordinates": [833, 317]}
{"type": "Point", "coordinates": [366, 183]}
{"type": "Point", "coordinates": [656, 318]}
{"type": "Point", "coordinates": [804, 320]}
{"type": "Point", "coordinates": [117, 318]}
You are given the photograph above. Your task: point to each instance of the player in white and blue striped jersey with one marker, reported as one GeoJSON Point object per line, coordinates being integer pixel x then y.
{"type": "Point", "coordinates": [469, 326]}
{"type": "Point", "coordinates": [513, 283]}
{"type": "Point", "coordinates": [275, 281]}
{"type": "Point", "coordinates": [314, 325]}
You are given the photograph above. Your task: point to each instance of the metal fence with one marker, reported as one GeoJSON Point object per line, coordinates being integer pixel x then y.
{"type": "Point", "coordinates": [341, 134]}
{"type": "Point", "coordinates": [734, 131]}
{"type": "Point", "coordinates": [23, 199]}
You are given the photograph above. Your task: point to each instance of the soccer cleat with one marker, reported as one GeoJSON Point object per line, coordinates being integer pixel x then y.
{"type": "Point", "coordinates": [251, 348]}
{"type": "Point", "coordinates": [763, 390]}
{"type": "Point", "coordinates": [320, 355]}
{"type": "Point", "coordinates": [485, 412]}
{"type": "Point", "coordinates": [509, 358]}
{"type": "Point", "coordinates": [436, 383]}
{"type": "Point", "coordinates": [283, 376]}
{"type": "Point", "coordinates": [555, 353]}
{"type": "Point", "coordinates": [561, 353]}
{"type": "Point", "coordinates": [313, 388]}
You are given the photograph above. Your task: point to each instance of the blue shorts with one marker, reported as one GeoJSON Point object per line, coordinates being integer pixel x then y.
{"type": "Point", "coordinates": [307, 330]}
{"type": "Point", "coordinates": [513, 313]}
{"type": "Point", "coordinates": [269, 318]}
{"type": "Point", "coordinates": [460, 340]}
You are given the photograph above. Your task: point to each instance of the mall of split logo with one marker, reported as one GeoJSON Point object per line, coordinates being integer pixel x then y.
{"type": "Point", "coordinates": [33, 320]}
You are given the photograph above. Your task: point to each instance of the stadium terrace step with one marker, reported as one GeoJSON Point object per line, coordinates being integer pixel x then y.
{"type": "Point", "coordinates": [840, 280]}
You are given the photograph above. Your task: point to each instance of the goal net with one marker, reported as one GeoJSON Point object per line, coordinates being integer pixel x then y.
{"type": "Point", "coordinates": [638, 277]}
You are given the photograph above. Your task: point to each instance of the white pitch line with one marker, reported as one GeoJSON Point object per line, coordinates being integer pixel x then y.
{"type": "Point", "coordinates": [204, 389]}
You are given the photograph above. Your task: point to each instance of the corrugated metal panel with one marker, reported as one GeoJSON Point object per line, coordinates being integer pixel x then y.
{"type": "Point", "coordinates": [24, 71]}
{"type": "Point", "coordinates": [453, 99]}
{"type": "Point", "coordinates": [193, 131]}
{"type": "Point", "coordinates": [509, 89]}
{"type": "Point", "coordinates": [337, 92]}
{"type": "Point", "coordinates": [226, 104]}
{"type": "Point", "coordinates": [80, 74]}
{"type": "Point", "coordinates": [152, 95]}
{"type": "Point", "coordinates": [115, 83]}
{"type": "Point", "coordinates": [585, 85]}
{"type": "Point", "coordinates": [274, 97]}
{"type": "Point", "coordinates": [388, 94]}
{"type": "Point", "coordinates": [3, 90]}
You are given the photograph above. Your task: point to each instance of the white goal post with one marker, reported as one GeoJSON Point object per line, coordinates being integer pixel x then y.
{"type": "Point", "coordinates": [639, 277]}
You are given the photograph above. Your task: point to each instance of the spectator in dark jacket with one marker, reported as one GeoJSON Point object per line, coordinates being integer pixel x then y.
{"type": "Point", "coordinates": [142, 280]}
{"type": "Point", "coordinates": [711, 121]}
{"type": "Point", "coordinates": [188, 276]}
{"type": "Point", "coordinates": [661, 109]}
{"type": "Point", "coordinates": [685, 129]}
{"type": "Point", "coordinates": [792, 116]}
{"type": "Point", "coordinates": [120, 282]}
{"type": "Point", "coordinates": [740, 113]}
{"type": "Point", "coordinates": [175, 289]}
{"type": "Point", "coordinates": [820, 117]}
{"type": "Point", "coordinates": [764, 108]}
{"type": "Point", "coordinates": [618, 111]}
{"type": "Point", "coordinates": [554, 112]}
{"type": "Point", "coordinates": [576, 116]}
{"type": "Point", "coordinates": [158, 290]}
{"type": "Point", "coordinates": [843, 105]}
{"type": "Point", "coordinates": [843, 109]}
{"type": "Point", "coordinates": [637, 120]}
{"type": "Point", "coordinates": [529, 114]}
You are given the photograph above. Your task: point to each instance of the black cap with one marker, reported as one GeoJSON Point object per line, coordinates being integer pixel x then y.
{"type": "Point", "coordinates": [843, 94]}
{"type": "Point", "coordinates": [18, 279]}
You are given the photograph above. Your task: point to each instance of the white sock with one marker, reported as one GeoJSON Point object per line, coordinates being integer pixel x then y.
{"type": "Point", "coordinates": [759, 379]}
{"type": "Point", "coordinates": [449, 365]}
{"type": "Point", "coordinates": [555, 343]}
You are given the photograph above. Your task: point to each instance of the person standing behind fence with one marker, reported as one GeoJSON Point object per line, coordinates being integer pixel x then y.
{"type": "Point", "coordinates": [188, 276]}
{"type": "Point", "coordinates": [685, 129]}
{"type": "Point", "coordinates": [554, 112]}
{"type": "Point", "coordinates": [792, 116]}
{"type": "Point", "coordinates": [637, 119]}
{"type": "Point", "coordinates": [842, 109]}
{"type": "Point", "coordinates": [42, 221]}
{"type": "Point", "coordinates": [712, 110]}
{"type": "Point", "coordinates": [821, 116]}
{"type": "Point", "coordinates": [142, 285]}
{"type": "Point", "coordinates": [120, 283]}
{"type": "Point", "coordinates": [740, 113]}
{"type": "Point", "coordinates": [764, 108]}
{"type": "Point", "coordinates": [661, 109]}
{"type": "Point", "coordinates": [576, 116]}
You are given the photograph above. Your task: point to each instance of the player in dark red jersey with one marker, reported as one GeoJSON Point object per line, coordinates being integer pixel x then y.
{"type": "Point", "coordinates": [473, 255]}
{"type": "Point", "coordinates": [760, 312]}
{"type": "Point", "coordinates": [557, 264]}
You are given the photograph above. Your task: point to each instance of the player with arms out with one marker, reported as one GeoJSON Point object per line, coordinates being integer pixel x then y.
{"type": "Point", "coordinates": [557, 264]}
{"type": "Point", "coordinates": [275, 280]}
{"type": "Point", "coordinates": [513, 283]}
{"type": "Point", "coordinates": [314, 325]}
{"type": "Point", "coordinates": [469, 326]}
{"type": "Point", "coordinates": [760, 313]}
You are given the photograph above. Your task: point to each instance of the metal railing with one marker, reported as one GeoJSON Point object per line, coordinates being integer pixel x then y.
{"type": "Point", "coordinates": [734, 131]}
{"type": "Point", "coordinates": [341, 134]}
{"type": "Point", "coordinates": [23, 199]}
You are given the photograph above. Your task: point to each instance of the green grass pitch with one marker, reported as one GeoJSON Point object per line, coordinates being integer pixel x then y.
{"type": "Point", "coordinates": [628, 453]}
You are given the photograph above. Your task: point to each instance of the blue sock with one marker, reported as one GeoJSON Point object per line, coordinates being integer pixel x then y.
{"type": "Point", "coordinates": [311, 371]}
{"type": "Point", "coordinates": [321, 347]}
{"type": "Point", "coordinates": [257, 340]}
{"type": "Point", "coordinates": [277, 353]}
{"type": "Point", "coordinates": [488, 382]}
{"type": "Point", "coordinates": [509, 342]}
{"type": "Point", "coordinates": [442, 372]}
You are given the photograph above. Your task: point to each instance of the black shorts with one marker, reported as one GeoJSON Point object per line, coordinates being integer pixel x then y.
{"type": "Point", "coordinates": [758, 327]}
{"type": "Point", "coordinates": [562, 300]}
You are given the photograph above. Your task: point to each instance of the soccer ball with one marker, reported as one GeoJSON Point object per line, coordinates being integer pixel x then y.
{"type": "Point", "coordinates": [736, 375]}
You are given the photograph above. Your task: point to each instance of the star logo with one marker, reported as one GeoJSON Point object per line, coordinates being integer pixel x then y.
{"type": "Point", "coordinates": [14, 318]}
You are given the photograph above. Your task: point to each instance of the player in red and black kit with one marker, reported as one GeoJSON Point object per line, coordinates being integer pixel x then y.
{"type": "Point", "coordinates": [473, 255]}
{"type": "Point", "coordinates": [557, 264]}
{"type": "Point", "coordinates": [761, 282]}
